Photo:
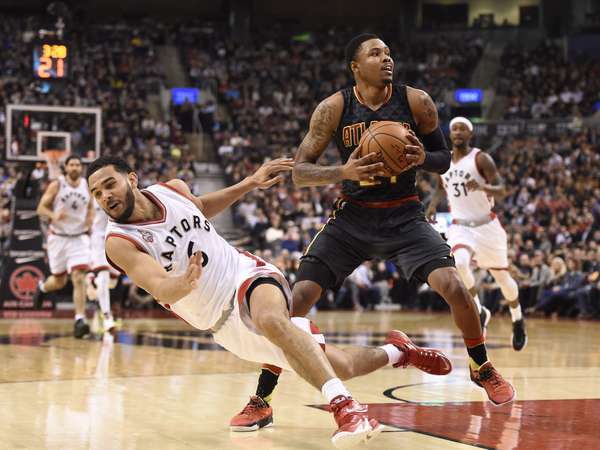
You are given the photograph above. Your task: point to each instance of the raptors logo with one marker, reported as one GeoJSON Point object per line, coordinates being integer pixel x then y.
{"type": "Point", "coordinates": [24, 280]}
{"type": "Point", "coordinates": [147, 236]}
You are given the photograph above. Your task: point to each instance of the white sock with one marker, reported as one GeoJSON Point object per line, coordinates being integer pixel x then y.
{"type": "Point", "coordinates": [41, 285]}
{"type": "Point", "coordinates": [79, 316]}
{"type": "Point", "coordinates": [334, 388]}
{"type": "Point", "coordinates": [103, 291]}
{"type": "Point", "coordinates": [394, 353]}
{"type": "Point", "coordinates": [477, 302]}
{"type": "Point", "coordinates": [515, 313]}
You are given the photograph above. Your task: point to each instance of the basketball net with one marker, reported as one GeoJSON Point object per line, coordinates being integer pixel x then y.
{"type": "Point", "coordinates": [53, 158]}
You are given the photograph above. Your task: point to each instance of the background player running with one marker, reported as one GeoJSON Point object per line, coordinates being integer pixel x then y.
{"type": "Point", "coordinates": [471, 184]}
{"type": "Point", "coordinates": [67, 205]}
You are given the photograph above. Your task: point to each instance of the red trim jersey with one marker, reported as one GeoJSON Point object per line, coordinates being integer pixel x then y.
{"type": "Point", "coordinates": [181, 231]}
{"type": "Point", "coordinates": [465, 204]}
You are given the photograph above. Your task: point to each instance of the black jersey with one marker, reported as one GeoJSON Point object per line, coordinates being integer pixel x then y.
{"type": "Point", "coordinates": [356, 118]}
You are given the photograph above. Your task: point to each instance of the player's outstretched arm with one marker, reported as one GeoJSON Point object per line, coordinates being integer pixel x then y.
{"type": "Point", "coordinates": [429, 150]}
{"type": "Point", "coordinates": [437, 196]}
{"type": "Point", "coordinates": [323, 123]}
{"type": "Point", "coordinates": [44, 208]}
{"type": "Point", "coordinates": [494, 185]}
{"type": "Point", "coordinates": [268, 175]}
{"type": "Point", "coordinates": [148, 274]}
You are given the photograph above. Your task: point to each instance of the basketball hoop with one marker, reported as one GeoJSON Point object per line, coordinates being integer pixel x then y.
{"type": "Point", "coordinates": [53, 159]}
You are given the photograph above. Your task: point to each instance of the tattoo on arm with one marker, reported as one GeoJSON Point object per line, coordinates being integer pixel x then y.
{"type": "Point", "coordinates": [322, 128]}
{"type": "Point", "coordinates": [429, 116]}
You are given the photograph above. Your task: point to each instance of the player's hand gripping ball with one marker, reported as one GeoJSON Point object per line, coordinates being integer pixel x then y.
{"type": "Point", "coordinates": [387, 139]}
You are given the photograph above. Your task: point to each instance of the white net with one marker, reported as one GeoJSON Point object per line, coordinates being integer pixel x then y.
{"type": "Point", "coordinates": [54, 159]}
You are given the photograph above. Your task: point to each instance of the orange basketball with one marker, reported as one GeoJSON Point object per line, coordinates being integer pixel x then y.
{"type": "Point", "coordinates": [388, 139]}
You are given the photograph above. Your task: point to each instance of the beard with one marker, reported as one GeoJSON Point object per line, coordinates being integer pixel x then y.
{"type": "Point", "coordinates": [462, 146]}
{"type": "Point", "coordinates": [74, 176]}
{"type": "Point", "coordinates": [129, 204]}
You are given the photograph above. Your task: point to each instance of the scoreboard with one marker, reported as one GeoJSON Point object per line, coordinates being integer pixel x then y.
{"type": "Point", "coordinates": [50, 60]}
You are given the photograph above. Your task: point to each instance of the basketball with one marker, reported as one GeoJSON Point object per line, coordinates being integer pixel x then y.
{"type": "Point", "coordinates": [389, 139]}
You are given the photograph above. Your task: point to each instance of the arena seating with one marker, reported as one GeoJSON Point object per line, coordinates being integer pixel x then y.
{"type": "Point", "coordinates": [269, 85]}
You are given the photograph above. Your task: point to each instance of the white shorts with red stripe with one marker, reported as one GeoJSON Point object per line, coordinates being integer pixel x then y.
{"type": "Point", "coordinates": [487, 243]}
{"type": "Point", "coordinates": [66, 253]}
{"type": "Point", "coordinates": [240, 337]}
{"type": "Point", "coordinates": [99, 261]}
{"type": "Point", "coordinates": [98, 253]}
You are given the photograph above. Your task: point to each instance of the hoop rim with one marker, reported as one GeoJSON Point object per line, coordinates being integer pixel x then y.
{"type": "Point", "coordinates": [53, 154]}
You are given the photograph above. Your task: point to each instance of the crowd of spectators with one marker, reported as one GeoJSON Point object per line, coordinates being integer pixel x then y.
{"type": "Point", "coordinates": [112, 65]}
{"type": "Point", "coordinates": [270, 84]}
{"type": "Point", "coordinates": [543, 83]}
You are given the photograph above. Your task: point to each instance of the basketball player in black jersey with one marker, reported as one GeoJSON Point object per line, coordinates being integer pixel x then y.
{"type": "Point", "coordinates": [377, 217]}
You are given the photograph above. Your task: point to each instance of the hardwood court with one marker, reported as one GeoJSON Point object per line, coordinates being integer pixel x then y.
{"type": "Point", "coordinates": [162, 385]}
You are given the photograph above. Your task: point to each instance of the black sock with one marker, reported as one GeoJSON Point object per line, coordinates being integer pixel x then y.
{"type": "Point", "coordinates": [266, 384]}
{"type": "Point", "coordinates": [478, 355]}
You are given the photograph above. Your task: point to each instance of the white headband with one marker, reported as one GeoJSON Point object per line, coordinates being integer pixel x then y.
{"type": "Point", "coordinates": [464, 120]}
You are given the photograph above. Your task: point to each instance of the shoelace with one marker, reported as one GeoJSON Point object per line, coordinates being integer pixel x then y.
{"type": "Point", "coordinates": [491, 375]}
{"type": "Point", "coordinates": [427, 354]}
{"type": "Point", "coordinates": [251, 406]}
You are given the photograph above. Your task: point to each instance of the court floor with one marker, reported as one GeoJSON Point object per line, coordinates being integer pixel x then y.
{"type": "Point", "coordinates": [164, 385]}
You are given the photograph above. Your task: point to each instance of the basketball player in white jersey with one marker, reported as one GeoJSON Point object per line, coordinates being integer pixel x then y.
{"type": "Point", "coordinates": [100, 268]}
{"type": "Point", "coordinates": [67, 205]}
{"type": "Point", "coordinates": [162, 239]}
{"type": "Point", "coordinates": [471, 184]}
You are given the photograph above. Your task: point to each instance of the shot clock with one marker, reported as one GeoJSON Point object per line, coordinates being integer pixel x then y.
{"type": "Point", "coordinates": [50, 60]}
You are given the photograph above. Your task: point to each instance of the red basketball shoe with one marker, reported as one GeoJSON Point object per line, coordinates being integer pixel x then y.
{"type": "Point", "coordinates": [499, 390]}
{"type": "Point", "coordinates": [256, 414]}
{"type": "Point", "coordinates": [428, 360]}
{"type": "Point", "coordinates": [354, 426]}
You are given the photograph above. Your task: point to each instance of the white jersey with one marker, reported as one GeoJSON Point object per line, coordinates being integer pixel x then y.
{"type": "Point", "coordinates": [100, 222]}
{"type": "Point", "coordinates": [73, 203]}
{"type": "Point", "coordinates": [464, 204]}
{"type": "Point", "coordinates": [171, 240]}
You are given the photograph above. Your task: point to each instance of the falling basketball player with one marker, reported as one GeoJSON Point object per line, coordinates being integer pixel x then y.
{"type": "Point", "coordinates": [471, 185]}
{"type": "Point", "coordinates": [377, 217]}
{"type": "Point", "coordinates": [67, 205]}
{"type": "Point", "coordinates": [162, 239]}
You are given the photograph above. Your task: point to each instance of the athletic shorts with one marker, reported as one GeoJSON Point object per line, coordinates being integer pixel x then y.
{"type": "Point", "coordinates": [487, 243]}
{"type": "Point", "coordinates": [238, 334]}
{"type": "Point", "coordinates": [66, 253]}
{"type": "Point", "coordinates": [98, 251]}
{"type": "Point", "coordinates": [356, 233]}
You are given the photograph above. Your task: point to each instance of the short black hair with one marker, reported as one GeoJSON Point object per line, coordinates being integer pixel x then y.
{"type": "Point", "coordinates": [119, 164]}
{"type": "Point", "coordinates": [353, 46]}
{"type": "Point", "coordinates": [70, 157]}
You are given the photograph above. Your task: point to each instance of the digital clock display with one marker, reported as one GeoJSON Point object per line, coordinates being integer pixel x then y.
{"type": "Point", "coordinates": [50, 60]}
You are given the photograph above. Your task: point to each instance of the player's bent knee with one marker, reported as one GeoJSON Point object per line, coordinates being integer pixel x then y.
{"type": "Point", "coordinates": [78, 276]}
{"type": "Point", "coordinates": [272, 324]}
{"type": "Point", "coordinates": [462, 258]}
{"type": "Point", "coordinates": [60, 280]}
{"type": "Point", "coordinates": [304, 295]}
{"type": "Point", "coordinates": [446, 282]}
